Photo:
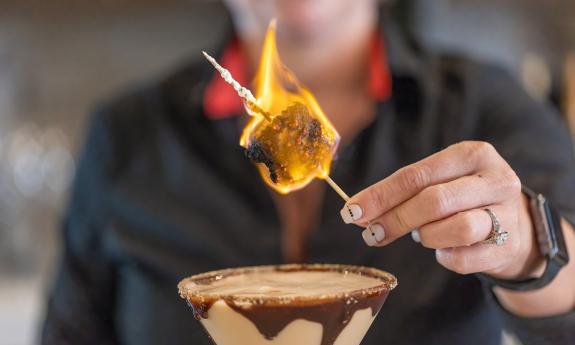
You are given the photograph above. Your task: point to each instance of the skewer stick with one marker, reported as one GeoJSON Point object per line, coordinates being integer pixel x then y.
{"type": "Point", "coordinates": [337, 188]}
{"type": "Point", "coordinates": [345, 198]}
{"type": "Point", "coordinates": [243, 92]}
{"type": "Point", "coordinates": [251, 102]}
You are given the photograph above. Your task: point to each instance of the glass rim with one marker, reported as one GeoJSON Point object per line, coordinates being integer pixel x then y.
{"type": "Point", "coordinates": [185, 286]}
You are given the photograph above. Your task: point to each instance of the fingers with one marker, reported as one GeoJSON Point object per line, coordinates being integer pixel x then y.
{"type": "Point", "coordinates": [460, 230]}
{"type": "Point", "coordinates": [457, 160]}
{"type": "Point", "coordinates": [458, 240]}
{"type": "Point", "coordinates": [444, 196]}
{"type": "Point", "coordinates": [478, 257]}
{"type": "Point", "coordinates": [440, 202]}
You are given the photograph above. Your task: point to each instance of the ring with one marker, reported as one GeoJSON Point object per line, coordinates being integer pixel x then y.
{"type": "Point", "coordinates": [497, 235]}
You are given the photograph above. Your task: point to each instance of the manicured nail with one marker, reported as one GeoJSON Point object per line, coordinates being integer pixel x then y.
{"type": "Point", "coordinates": [373, 234]}
{"type": "Point", "coordinates": [415, 235]}
{"type": "Point", "coordinates": [351, 213]}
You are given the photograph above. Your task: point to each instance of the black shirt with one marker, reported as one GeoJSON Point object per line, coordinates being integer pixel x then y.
{"type": "Point", "coordinates": [162, 192]}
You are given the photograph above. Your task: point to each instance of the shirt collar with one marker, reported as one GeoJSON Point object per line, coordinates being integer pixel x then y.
{"type": "Point", "coordinates": [220, 100]}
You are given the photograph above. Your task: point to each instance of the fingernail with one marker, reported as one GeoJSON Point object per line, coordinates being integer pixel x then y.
{"type": "Point", "coordinates": [373, 235]}
{"type": "Point", "coordinates": [442, 254]}
{"type": "Point", "coordinates": [351, 213]}
{"type": "Point", "coordinates": [415, 235]}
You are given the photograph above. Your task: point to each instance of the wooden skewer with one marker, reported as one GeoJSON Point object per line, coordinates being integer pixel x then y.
{"type": "Point", "coordinates": [244, 93]}
{"type": "Point", "coordinates": [337, 188]}
{"type": "Point", "coordinates": [345, 197]}
{"type": "Point", "coordinates": [251, 102]}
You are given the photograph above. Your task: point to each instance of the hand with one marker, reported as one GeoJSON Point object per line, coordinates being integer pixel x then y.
{"type": "Point", "coordinates": [444, 197]}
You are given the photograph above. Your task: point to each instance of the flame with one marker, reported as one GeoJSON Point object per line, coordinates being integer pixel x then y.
{"type": "Point", "coordinates": [289, 131]}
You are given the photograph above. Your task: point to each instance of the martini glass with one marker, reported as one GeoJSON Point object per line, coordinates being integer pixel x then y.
{"type": "Point", "coordinates": [317, 304]}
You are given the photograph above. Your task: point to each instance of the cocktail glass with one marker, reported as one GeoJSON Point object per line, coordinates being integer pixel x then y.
{"type": "Point", "coordinates": [316, 304]}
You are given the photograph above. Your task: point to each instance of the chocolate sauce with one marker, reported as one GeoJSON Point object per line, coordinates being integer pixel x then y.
{"type": "Point", "coordinates": [332, 315]}
{"type": "Point", "coordinates": [200, 309]}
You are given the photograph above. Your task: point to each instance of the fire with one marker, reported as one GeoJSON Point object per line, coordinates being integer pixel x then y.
{"type": "Point", "coordinates": [294, 142]}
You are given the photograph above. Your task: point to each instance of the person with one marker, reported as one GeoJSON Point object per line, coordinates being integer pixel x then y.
{"type": "Point", "coordinates": [435, 145]}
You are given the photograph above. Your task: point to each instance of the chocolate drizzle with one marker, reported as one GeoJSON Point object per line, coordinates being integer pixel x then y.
{"type": "Point", "coordinates": [200, 309]}
{"type": "Point", "coordinates": [271, 314]}
{"type": "Point", "coordinates": [332, 315]}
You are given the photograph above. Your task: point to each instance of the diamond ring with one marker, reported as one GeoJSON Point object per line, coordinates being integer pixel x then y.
{"type": "Point", "coordinates": [497, 235]}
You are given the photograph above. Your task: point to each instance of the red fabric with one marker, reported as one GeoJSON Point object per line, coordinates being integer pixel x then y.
{"type": "Point", "coordinates": [221, 101]}
{"type": "Point", "coordinates": [379, 74]}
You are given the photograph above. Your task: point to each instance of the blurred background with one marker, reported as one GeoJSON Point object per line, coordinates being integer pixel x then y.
{"type": "Point", "coordinates": [58, 58]}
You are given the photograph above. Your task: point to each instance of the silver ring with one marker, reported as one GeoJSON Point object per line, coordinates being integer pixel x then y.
{"type": "Point", "coordinates": [497, 235]}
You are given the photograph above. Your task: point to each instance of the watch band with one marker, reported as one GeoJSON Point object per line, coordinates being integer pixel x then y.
{"type": "Point", "coordinates": [547, 224]}
{"type": "Point", "coordinates": [551, 271]}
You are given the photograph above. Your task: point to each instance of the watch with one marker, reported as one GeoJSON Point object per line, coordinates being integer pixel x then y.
{"type": "Point", "coordinates": [547, 225]}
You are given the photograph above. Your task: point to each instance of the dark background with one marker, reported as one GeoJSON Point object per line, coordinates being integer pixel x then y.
{"type": "Point", "coordinates": [59, 57]}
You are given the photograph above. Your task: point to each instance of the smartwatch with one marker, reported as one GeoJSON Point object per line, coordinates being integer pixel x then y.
{"type": "Point", "coordinates": [547, 225]}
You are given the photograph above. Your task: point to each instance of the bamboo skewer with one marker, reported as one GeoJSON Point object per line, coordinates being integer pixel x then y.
{"type": "Point", "coordinates": [337, 188]}
{"type": "Point", "coordinates": [243, 92]}
{"type": "Point", "coordinates": [251, 103]}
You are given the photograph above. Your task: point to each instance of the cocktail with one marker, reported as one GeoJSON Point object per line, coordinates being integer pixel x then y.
{"type": "Point", "coordinates": [288, 304]}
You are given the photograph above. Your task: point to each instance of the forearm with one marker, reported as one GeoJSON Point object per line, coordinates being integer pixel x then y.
{"type": "Point", "coordinates": [556, 298]}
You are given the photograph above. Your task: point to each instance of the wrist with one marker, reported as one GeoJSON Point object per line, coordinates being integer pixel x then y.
{"type": "Point", "coordinates": [529, 274]}
{"type": "Point", "coordinates": [556, 297]}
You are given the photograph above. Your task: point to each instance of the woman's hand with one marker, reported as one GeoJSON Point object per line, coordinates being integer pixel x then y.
{"type": "Point", "coordinates": [444, 196]}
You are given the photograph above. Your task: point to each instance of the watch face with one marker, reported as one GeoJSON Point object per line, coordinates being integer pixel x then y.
{"type": "Point", "coordinates": [556, 250]}
{"type": "Point", "coordinates": [541, 223]}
